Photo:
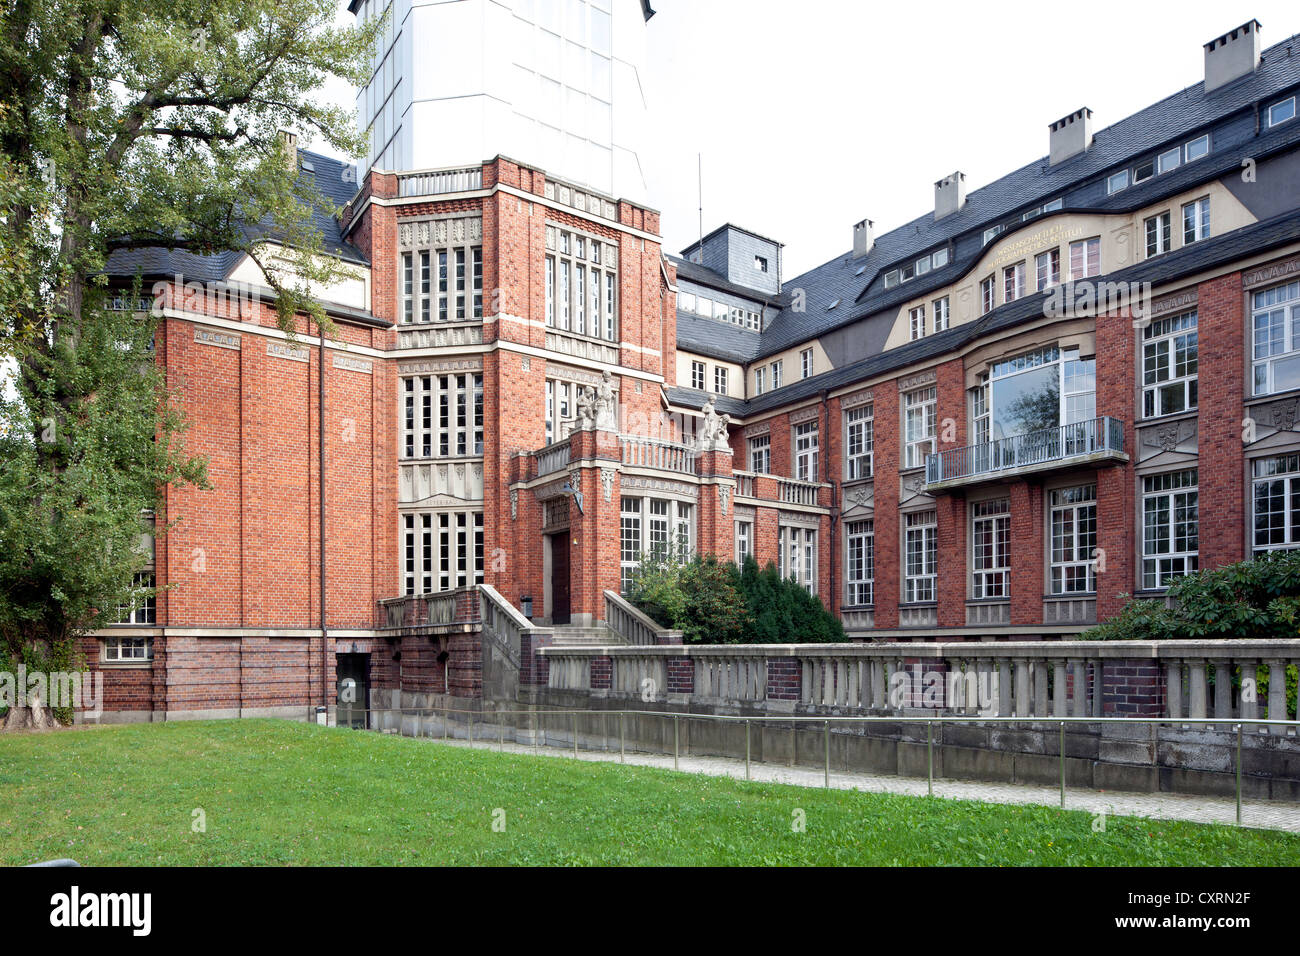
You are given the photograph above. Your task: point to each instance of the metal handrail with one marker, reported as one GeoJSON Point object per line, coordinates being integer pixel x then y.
{"type": "Point", "coordinates": [1036, 447]}
{"type": "Point", "coordinates": [1237, 724]}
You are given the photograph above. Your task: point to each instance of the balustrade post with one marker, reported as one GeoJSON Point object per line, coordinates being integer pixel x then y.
{"type": "Point", "coordinates": [1197, 689]}
{"type": "Point", "coordinates": [1040, 688]}
{"type": "Point", "coordinates": [1223, 689]}
{"type": "Point", "coordinates": [1079, 670]}
{"type": "Point", "coordinates": [1174, 689]}
{"type": "Point", "coordinates": [1277, 693]}
{"type": "Point", "coordinates": [1058, 689]}
{"type": "Point", "coordinates": [878, 699]}
{"type": "Point", "coordinates": [1022, 687]}
{"type": "Point", "coordinates": [1006, 684]}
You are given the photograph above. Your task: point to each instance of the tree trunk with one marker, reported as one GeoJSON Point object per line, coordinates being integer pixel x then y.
{"type": "Point", "coordinates": [35, 717]}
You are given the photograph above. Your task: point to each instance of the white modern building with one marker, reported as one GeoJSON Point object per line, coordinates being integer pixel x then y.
{"type": "Point", "coordinates": [556, 83]}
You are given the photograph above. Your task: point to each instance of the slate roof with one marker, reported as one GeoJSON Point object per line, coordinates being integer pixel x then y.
{"type": "Point", "coordinates": [1250, 240]}
{"type": "Point", "coordinates": [857, 284]}
{"type": "Point", "coordinates": [335, 180]}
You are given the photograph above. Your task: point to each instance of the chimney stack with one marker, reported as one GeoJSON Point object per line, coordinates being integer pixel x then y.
{"type": "Point", "coordinates": [1070, 136]}
{"type": "Point", "coordinates": [1233, 55]}
{"type": "Point", "coordinates": [949, 195]}
{"type": "Point", "coordinates": [863, 238]}
{"type": "Point", "coordinates": [290, 143]}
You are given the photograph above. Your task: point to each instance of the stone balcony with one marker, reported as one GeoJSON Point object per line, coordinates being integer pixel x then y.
{"type": "Point", "coordinates": [1098, 441]}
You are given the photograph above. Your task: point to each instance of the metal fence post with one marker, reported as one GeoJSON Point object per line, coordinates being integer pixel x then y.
{"type": "Point", "coordinates": [1062, 748]}
{"type": "Point", "coordinates": [622, 745]}
{"type": "Point", "coordinates": [444, 724]}
{"type": "Point", "coordinates": [826, 732]}
{"type": "Point", "coordinates": [929, 746]}
{"type": "Point", "coordinates": [1239, 726]}
{"type": "Point", "coordinates": [676, 738]}
{"type": "Point", "coordinates": [470, 735]}
{"type": "Point", "coordinates": [501, 734]}
{"type": "Point", "coordinates": [747, 774]}
{"type": "Point", "coordinates": [575, 735]}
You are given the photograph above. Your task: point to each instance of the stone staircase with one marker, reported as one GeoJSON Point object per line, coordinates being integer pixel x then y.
{"type": "Point", "coordinates": [599, 635]}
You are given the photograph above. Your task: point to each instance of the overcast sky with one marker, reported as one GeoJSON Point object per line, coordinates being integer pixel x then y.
{"type": "Point", "coordinates": [813, 115]}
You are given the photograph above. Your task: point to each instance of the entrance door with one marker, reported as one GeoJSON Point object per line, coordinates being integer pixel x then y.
{"type": "Point", "coordinates": [560, 578]}
{"type": "Point", "coordinates": [352, 672]}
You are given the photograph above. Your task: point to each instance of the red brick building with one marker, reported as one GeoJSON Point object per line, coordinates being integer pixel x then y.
{"type": "Point", "coordinates": [983, 424]}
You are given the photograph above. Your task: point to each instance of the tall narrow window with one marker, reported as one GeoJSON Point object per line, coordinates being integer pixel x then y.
{"type": "Point", "coordinates": [1196, 221]}
{"type": "Point", "coordinates": [720, 380]}
{"type": "Point", "coordinates": [921, 556]}
{"type": "Point", "coordinates": [1169, 363]}
{"type": "Point", "coordinates": [760, 381]}
{"type": "Point", "coordinates": [408, 284]}
{"type": "Point", "coordinates": [941, 314]}
{"type": "Point", "coordinates": [916, 322]}
{"type": "Point", "coordinates": [776, 374]}
{"type": "Point", "coordinates": [1013, 282]}
{"type": "Point", "coordinates": [1275, 315]}
{"type": "Point", "coordinates": [859, 563]}
{"type": "Point", "coordinates": [697, 375]}
{"type": "Point", "coordinates": [1170, 538]}
{"type": "Point", "coordinates": [760, 454]}
{"type": "Point", "coordinates": [744, 541]}
{"type": "Point", "coordinates": [1074, 539]}
{"type": "Point", "coordinates": [1275, 502]}
{"type": "Point", "coordinates": [988, 289]}
{"type": "Point", "coordinates": [1157, 230]}
{"type": "Point", "coordinates": [797, 556]}
{"type": "Point", "coordinates": [805, 451]}
{"type": "Point", "coordinates": [990, 549]}
{"type": "Point", "coordinates": [1047, 266]}
{"type": "Point", "coordinates": [806, 363]}
{"type": "Point", "coordinates": [919, 425]}
{"type": "Point", "coordinates": [1085, 258]}
{"type": "Point", "coordinates": [859, 442]}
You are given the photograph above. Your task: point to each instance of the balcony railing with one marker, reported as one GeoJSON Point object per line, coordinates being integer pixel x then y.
{"type": "Point", "coordinates": [795, 492]}
{"type": "Point", "coordinates": [1098, 438]}
{"type": "Point", "coordinates": [641, 452]}
{"type": "Point", "coordinates": [434, 182]}
{"type": "Point", "coordinates": [552, 458]}
{"type": "Point", "coordinates": [744, 484]}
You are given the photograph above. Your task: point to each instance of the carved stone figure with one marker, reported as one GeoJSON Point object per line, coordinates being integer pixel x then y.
{"type": "Point", "coordinates": [605, 406]}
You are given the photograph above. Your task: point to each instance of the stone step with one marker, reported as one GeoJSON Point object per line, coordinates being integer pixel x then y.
{"type": "Point", "coordinates": [574, 636]}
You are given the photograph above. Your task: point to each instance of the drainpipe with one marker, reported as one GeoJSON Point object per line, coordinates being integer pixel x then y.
{"type": "Point", "coordinates": [835, 497]}
{"type": "Point", "coordinates": [320, 420]}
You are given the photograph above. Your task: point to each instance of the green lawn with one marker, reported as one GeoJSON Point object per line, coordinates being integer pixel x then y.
{"type": "Point", "coordinates": [275, 792]}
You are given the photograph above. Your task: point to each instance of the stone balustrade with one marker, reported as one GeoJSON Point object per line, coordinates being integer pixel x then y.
{"type": "Point", "coordinates": [634, 626]}
{"type": "Point", "coordinates": [640, 452]}
{"type": "Point", "coordinates": [1037, 680]}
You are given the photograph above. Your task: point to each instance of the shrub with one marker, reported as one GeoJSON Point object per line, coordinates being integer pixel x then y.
{"type": "Point", "coordinates": [714, 602]}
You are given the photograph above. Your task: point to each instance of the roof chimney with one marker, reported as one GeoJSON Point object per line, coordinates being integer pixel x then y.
{"type": "Point", "coordinates": [1070, 136]}
{"type": "Point", "coordinates": [289, 141]}
{"type": "Point", "coordinates": [1232, 55]}
{"type": "Point", "coordinates": [949, 195]}
{"type": "Point", "coordinates": [863, 239]}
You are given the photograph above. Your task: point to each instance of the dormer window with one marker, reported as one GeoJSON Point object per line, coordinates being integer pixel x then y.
{"type": "Point", "coordinates": [1143, 172]}
{"type": "Point", "coordinates": [1281, 112]}
{"type": "Point", "coordinates": [760, 263]}
{"type": "Point", "coordinates": [1117, 181]}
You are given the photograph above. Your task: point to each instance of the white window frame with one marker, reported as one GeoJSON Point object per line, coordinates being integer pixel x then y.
{"type": "Point", "coordinates": [1196, 220]}
{"type": "Point", "coordinates": [1046, 278]}
{"type": "Point", "coordinates": [860, 563]}
{"type": "Point", "coordinates": [806, 363]}
{"type": "Point", "coordinates": [121, 649]}
{"type": "Point", "coordinates": [760, 380]}
{"type": "Point", "coordinates": [699, 375]}
{"type": "Point", "coordinates": [916, 322]}
{"type": "Point", "coordinates": [720, 379]}
{"type": "Point", "coordinates": [797, 555]}
{"type": "Point", "coordinates": [561, 408]}
{"type": "Point", "coordinates": [1289, 103]}
{"type": "Point", "coordinates": [1170, 361]}
{"type": "Point", "coordinates": [1087, 246]}
{"type": "Point", "coordinates": [442, 416]}
{"type": "Point", "coordinates": [920, 409]}
{"type": "Point", "coordinates": [582, 284]}
{"type": "Point", "coordinates": [744, 546]}
{"type": "Point", "coordinates": [806, 442]}
{"type": "Point", "coordinates": [920, 557]}
{"type": "Point", "coordinates": [442, 550]}
{"type": "Point", "coordinates": [1277, 310]}
{"type": "Point", "coordinates": [658, 525]}
{"type": "Point", "coordinates": [760, 454]}
{"type": "Point", "coordinates": [1013, 281]}
{"type": "Point", "coordinates": [990, 537]}
{"type": "Point", "coordinates": [859, 442]}
{"type": "Point", "coordinates": [988, 294]}
{"type": "Point", "coordinates": [776, 373]}
{"type": "Point", "coordinates": [1157, 234]}
{"type": "Point", "coordinates": [1170, 531]}
{"type": "Point", "coordinates": [1117, 181]}
{"type": "Point", "coordinates": [1072, 531]}
{"type": "Point", "coordinates": [143, 609]}
{"type": "Point", "coordinates": [942, 314]}
{"type": "Point", "coordinates": [1282, 471]}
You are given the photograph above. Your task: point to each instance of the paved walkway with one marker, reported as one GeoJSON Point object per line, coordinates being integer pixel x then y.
{"type": "Point", "coordinates": [1157, 806]}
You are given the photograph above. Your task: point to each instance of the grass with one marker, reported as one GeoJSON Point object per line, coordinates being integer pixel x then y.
{"type": "Point", "coordinates": [276, 793]}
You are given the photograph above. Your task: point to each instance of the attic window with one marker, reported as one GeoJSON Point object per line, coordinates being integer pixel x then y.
{"type": "Point", "coordinates": [833, 305]}
{"type": "Point", "coordinates": [861, 269]}
{"type": "Point", "coordinates": [760, 263]}
{"type": "Point", "coordinates": [308, 166]}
